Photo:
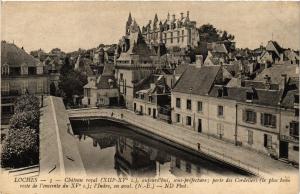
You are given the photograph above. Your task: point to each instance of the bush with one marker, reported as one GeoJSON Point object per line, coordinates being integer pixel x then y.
{"type": "Point", "coordinates": [21, 148]}
{"type": "Point", "coordinates": [27, 103]}
{"type": "Point", "coordinates": [25, 119]}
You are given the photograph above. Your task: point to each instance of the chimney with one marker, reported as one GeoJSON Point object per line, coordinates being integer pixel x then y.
{"type": "Point", "coordinates": [188, 14]}
{"type": "Point", "coordinates": [267, 82]}
{"type": "Point", "coordinates": [168, 17]}
{"type": "Point", "coordinates": [173, 17]}
{"type": "Point", "coordinates": [181, 17]}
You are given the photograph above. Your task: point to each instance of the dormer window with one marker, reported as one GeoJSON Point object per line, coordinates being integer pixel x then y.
{"type": "Point", "coordinates": [220, 92]}
{"type": "Point", "coordinates": [249, 96]}
{"type": "Point", "coordinates": [5, 70]}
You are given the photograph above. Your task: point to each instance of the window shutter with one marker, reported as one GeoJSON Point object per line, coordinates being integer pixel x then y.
{"type": "Point", "coordinates": [254, 115]}
{"type": "Point", "coordinates": [262, 118]}
{"type": "Point", "coordinates": [273, 122]}
{"type": "Point", "coordinates": [244, 115]}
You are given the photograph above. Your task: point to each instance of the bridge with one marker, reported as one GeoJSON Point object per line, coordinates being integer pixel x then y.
{"type": "Point", "coordinates": [239, 157]}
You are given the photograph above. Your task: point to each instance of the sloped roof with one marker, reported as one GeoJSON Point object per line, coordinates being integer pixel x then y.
{"type": "Point", "coordinates": [261, 97]}
{"type": "Point", "coordinates": [276, 71]}
{"type": "Point", "coordinates": [103, 82]}
{"type": "Point", "coordinates": [292, 89]}
{"type": "Point", "coordinates": [15, 56]}
{"type": "Point", "coordinates": [197, 80]}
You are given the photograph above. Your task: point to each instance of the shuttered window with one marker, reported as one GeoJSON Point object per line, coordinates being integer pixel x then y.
{"type": "Point", "coordinates": [268, 120]}
{"type": "Point", "coordinates": [294, 129]}
{"type": "Point", "coordinates": [249, 116]}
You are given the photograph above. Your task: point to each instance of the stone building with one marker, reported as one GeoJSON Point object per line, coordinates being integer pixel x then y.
{"type": "Point", "coordinates": [173, 32]}
{"type": "Point", "coordinates": [20, 73]}
{"type": "Point", "coordinates": [154, 100]}
{"type": "Point", "coordinates": [133, 62]}
{"type": "Point", "coordinates": [101, 90]}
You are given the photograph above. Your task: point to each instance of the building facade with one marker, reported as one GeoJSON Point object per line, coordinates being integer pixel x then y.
{"type": "Point", "coordinates": [20, 73]}
{"type": "Point", "coordinates": [173, 32]}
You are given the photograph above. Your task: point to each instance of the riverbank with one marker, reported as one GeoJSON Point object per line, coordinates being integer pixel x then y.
{"type": "Point", "coordinates": [248, 160]}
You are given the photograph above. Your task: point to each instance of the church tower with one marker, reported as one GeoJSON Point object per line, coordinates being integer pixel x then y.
{"type": "Point", "coordinates": [128, 24]}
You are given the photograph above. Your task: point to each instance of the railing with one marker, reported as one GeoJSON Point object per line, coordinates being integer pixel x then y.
{"type": "Point", "coordinates": [167, 134]}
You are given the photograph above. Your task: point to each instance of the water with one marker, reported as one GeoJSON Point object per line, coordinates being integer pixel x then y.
{"type": "Point", "coordinates": [109, 148]}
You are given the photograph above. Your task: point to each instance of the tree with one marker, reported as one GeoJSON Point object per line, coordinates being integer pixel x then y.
{"type": "Point", "coordinates": [25, 119]}
{"type": "Point", "coordinates": [208, 33]}
{"type": "Point", "coordinates": [72, 84]}
{"type": "Point", "coordinates": [27, 102]}
{"type": "Point", "coordinates": [21, 148]}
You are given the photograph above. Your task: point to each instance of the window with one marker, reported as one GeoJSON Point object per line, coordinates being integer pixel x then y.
{"type": "Point", "coordinates": [188, 121]}
{"type": "Point", "coordinates": [88, 92]}
{"type": "Point", "coordinates": [188, 167]}
{"type": "Point", "coordinates": [199, 106]}
{"type": "Point", "coordinates": [220, 111]}
{"type": "Point", "coordinates": [171, 37]}
{"type": "Point", "coordinates": [149, 111]}
{"type": "Point", "coordinates": [178, 118]}
{"type": "Point", "coordinates": [220, 130]}
{"type": "Point", "coordinates": [150, 98]}
{"type": "Point", "coordinates": [189, 104]}
{"type": "Point", "coordinates": [296, 112]}
{"type": "Point", "coordinates": [24, 86]}
{"type": "Point", "coordinates": [249, 96]}
{"type": "Point", "coordinates": [177, 163]}
{"type": "Point", "coordinates": [296, 99]}
{"type": "Point", "coordinates": [296, 148]}
{"type": "Point", "coordinates": [142, 96]}
{"type": "Point", "coordinates": [250, 137]}
{"type": "Point", "coordinates": [182, 32]}
{"type": "Point", "coordinates": [40, 86]}
{"type": "Point", "coordinates": [267, 141]}
{"type": "Point", "coordinates": [294, 129]}
{"type": "Point", "coordinates": [178, 103]}
{"type": "Point", "coordinates": [121, 76]}
{"type": "Point", "coordinates": [5, 86]}
{"type": "Point", "coordinates": [268, 120]}
{"type": "Point", "coordinates": [5, 69]}
{"type": "Point", "coordinates": [249, 116]}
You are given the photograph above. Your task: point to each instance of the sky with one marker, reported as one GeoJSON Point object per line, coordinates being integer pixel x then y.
{"type": "Point", "coordinates": [73, 25]}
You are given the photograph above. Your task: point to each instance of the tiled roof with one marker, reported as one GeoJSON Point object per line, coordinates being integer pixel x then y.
{"type": "Point", "coordinates": [197, 80]}
{"type": "Point", "coordinates": [261, 97]}
{"type": "Point", "coordinates": [181, 68]}
{"type": "Point", "coordinates": [292, 89]}
{"type": "Point", "coordinates": [15, 56]}
{"type": "Point", "coordinates": [276, 71]}
{"type": "Point", "coordinates": [103, 82]}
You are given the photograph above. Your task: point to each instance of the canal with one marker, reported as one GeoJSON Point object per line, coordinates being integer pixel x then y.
{"type": "Point", "coordinates": [109, 148]}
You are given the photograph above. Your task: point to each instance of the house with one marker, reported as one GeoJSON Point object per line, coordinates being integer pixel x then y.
{"type": "Point", "coordinates": [154, 100]}
{"type": "Point", "coordinates": [20, 73]}
{"type": "Point", "coordinates": [102, 90]}
{"type": "Point", "coordinates": [190, 96]}
{"type": "Point", "coordinates": [289, 122]}
{"type": "Point", "coordinates": [276, 71]}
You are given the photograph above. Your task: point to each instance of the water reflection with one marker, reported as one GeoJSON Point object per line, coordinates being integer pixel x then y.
{"type": "Point", "coordinates": [109, 148]}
